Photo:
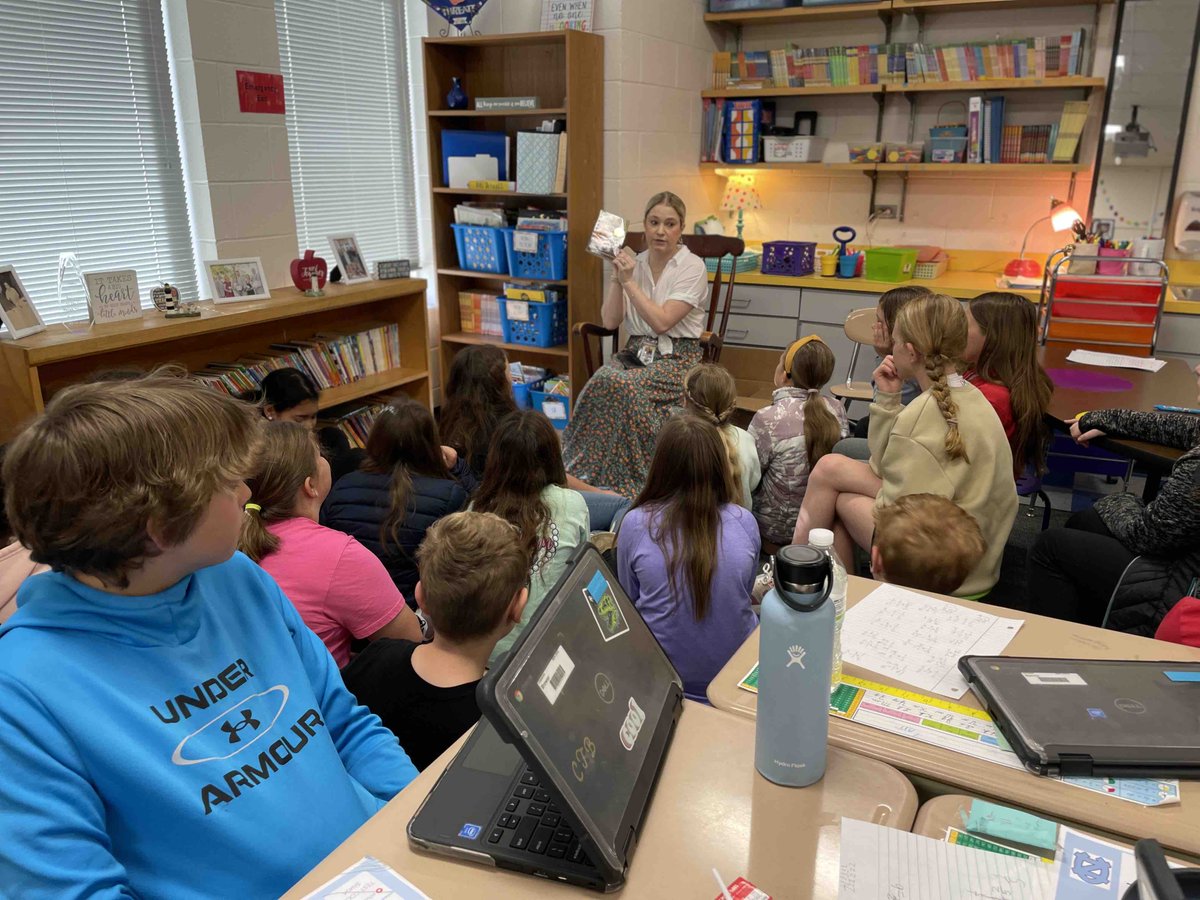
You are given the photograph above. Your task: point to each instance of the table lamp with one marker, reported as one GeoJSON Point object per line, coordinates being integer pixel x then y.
{"type": "Point", "coordinates": [1062, 217]}
{"type": "Point", "coordinates": [740, 196]}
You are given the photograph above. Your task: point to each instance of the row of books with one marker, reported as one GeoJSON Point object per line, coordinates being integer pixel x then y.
{"type": "Point", "coordinates": [329, 359]}
{"type": "Point", "coordinates": [901, 63]}
{"type": "Point", "coordinates": [989, 140]}
{"type": "Point", "coordinates": [355, 423]}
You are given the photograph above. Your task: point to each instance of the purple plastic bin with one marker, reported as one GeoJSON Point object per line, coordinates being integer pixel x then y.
{"type": "Point", "coordinates": [788, 258]}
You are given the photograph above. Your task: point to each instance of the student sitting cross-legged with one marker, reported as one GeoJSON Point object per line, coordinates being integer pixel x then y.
{"type": "Point", "coordinates": [166, 717]}
{"type": "Point", "coordinates": [926, 542]}
{"type": "Point", "coordinates": [687, 553]}
{"type": "Point", "coordinates": [472, 590]}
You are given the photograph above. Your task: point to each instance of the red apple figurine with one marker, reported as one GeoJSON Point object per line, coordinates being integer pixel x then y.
{"type": "Point", "coordinates": [305, 268]}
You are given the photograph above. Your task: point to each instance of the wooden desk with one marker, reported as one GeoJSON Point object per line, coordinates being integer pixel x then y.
{"type": "Point", "coordinates": [710, 808]}
{"type": "Point", "coordinates": [1177, 827]}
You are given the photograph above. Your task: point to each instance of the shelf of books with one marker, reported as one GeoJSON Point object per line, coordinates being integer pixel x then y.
{"type": "Point", "coordinates": [802, 14]}
{"type": "Point", "coordinates": [516, 189]}
{"type": "Point", "coordinates": [902, 6]}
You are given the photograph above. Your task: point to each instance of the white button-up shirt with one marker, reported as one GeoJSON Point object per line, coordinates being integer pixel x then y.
{"type": "Point", "coordinates": [684, 278]}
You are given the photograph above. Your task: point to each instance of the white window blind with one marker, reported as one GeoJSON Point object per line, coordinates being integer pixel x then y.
{"type": "Point", "coordinates": [349, 131]}
{"type": "Point", "coordinates": [89, 154]}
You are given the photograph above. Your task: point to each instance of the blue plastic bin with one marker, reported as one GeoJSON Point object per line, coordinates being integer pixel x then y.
{"type": "Point", "coordinates": [523, 393]}
{"type": "Point", "coordinates": [548, 264]}
{"type": "Point", "coordinates": [539, 400]}
{"type": "Point", "coordinates": [547, 325]}
{"type": "Point", "coordinates": [481, 248]}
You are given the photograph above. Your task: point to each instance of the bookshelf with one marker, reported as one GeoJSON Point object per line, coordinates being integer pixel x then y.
{"type": "Point", "coordinates": [885, 10]}
{"type": "Point", "coordinates": [1063, 83]}
{"type": "Point", "coordinates": [565, 71]}
{"type": "Point", "coordinates": [34, 368]}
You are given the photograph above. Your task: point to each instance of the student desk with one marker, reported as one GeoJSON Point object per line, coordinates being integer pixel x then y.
{"type": "Point", "coordinates": [710, 808]}
{"type": "Point", "coordinates": [1177, 827]}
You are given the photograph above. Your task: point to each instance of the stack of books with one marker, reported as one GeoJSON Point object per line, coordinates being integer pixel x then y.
{"type": "Point", "coordinates": [355, 419]}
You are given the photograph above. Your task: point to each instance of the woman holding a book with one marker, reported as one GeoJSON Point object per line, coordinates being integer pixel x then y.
{"type": "Point", "coordinates": [659, 296]}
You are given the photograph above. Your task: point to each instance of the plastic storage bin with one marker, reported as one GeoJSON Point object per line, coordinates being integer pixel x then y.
{"type": "Point", "coordinates": [555, 407]}
{"type": "Point", "coordinates": [545, 327]}
{"type": "Point", "coordinates": [788, 257]}
{"type": "Point", "coordinates": [740, 5]}
{"type": "Point", "coordinates": [905, 153]}
{"type": "Point", "coordinates": [481, 248]}
{"type": "Point", "coordinates": [547, 263]}
{"type": "Point", "coordinates": [866, 154]}
{"type": "Point", "coordinates": [891, 263]}
{"type": "Point", "coordinates": [793, 148]}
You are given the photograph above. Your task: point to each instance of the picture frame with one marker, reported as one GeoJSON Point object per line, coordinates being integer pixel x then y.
{"type": "Point", "coordinates": [17, 311]}
{"type": "Point", "coordinates": [349, 258]}
{"type": "Point", "coordinates": [235, 280]}
{"type": "Point", "coordinates": [112, 296]}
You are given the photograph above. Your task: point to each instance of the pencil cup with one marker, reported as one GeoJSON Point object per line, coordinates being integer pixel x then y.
{"type": "Point", "coordinates": [1083, 259]}
{"type": "Point", "coordinates": [1112, 268]}
{"type": "Point", "coordinates": [829, 264]}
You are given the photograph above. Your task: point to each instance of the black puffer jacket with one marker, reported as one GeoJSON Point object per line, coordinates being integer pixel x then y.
{"type": "Point", "coordinates": [1147, 591]}
{"type": "Point", "coordinates": [358, 505]}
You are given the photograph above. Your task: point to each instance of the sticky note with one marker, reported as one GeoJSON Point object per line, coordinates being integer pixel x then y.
{"type": "Point", "coordinates": [1183, 676]}
{"type": "Point", "coordinates": [1008, 824]}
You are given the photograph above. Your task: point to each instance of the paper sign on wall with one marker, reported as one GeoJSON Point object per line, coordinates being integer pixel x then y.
{"type": "Point", "coordinates": [113, 296]}
{"type": "Point", "coordinates": [260, 92]}
{"type": "Point", "coordinates": [558, 15]}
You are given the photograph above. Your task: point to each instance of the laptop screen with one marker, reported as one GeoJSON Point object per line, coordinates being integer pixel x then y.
{"type": "Point", "coordinates": [587, 688]}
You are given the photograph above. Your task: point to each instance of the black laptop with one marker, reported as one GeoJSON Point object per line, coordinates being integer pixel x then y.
{"type": "Point", "coordinates": [557, 777]}
{"type": "Point", "coordinates": [1094, 718]}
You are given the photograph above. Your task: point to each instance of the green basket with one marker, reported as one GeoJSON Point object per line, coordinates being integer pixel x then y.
{"type": "Point", "coordinates": [890, 263]}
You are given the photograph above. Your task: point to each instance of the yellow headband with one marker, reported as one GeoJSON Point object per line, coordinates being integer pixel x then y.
{"type": "Point", "coordinates": [796, 345]}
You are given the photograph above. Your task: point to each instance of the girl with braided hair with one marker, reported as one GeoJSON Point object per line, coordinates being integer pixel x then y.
{"type": "Point", "coordinates": [948, 441]}
{"type": "Point", "coordinates": [709, 392]}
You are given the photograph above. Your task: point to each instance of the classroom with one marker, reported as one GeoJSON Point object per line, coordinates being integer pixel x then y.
{"type": "Point", "coordinates": [734, 449]}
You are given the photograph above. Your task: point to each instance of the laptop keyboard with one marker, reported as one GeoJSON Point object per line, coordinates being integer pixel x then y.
{"type": "Point", "coordinates": [533, 822]}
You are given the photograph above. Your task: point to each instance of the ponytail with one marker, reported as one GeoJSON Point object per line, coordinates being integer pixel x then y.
{"type": "Point", "coordinates": [811, 368]}
{"type": "Point", "coordinates": [255, 541]}
{"type": "Point", "coordinates": [288, 457]}
{"type": "Point", "coordinates": [709, 391]}
{"type": "Point", "coordinates": [398, 491]}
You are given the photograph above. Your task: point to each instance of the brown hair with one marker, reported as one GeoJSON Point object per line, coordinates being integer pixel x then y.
{"type": "Point", "coordinates": [710, 392]}
{"type": "Point", "coordinates": [525, 457]}
{"type": "Point", "coordinates": [666, 198]}
{"type": "Point", "coordinates": [891, 302]}
{"type": "Point", "coordinates": [927, 542]}
{"type": "Point", "coordinates": [936, 326]}
{"type": "Point", "coordinates": [812, 367]}
{"type": "Point", "coordinates": [477, 396]}
{"type": "Point", "coordinates": [471, 565]}
{"type": "Point", "coordinates": [403, 441]}
{"type": "Point", "coordinates": [89, 475]}
{"type": "Point", "coordinates": [688, 483]}
{"type": "Point", "coordinates": [1009, 358]}
{"type": "Point", "coordinates": [289, 456]}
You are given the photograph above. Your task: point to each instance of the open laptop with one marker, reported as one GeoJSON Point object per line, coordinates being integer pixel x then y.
{"type": "Point", "coordinates": [556, 778]}
{"type": "Point", "coordinates": [1087, 717]}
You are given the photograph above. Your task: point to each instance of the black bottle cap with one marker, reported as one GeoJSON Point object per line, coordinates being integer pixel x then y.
{"type": "Point", "coordinates": [802, 576]}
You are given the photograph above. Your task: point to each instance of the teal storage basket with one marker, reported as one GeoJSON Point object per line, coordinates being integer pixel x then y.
{"type": "Point", "coordinates": [481, 248]}
{"type": "Point", "coordinates": [547, 325]}
{"type": "Point", "coordinates": [549, 263]}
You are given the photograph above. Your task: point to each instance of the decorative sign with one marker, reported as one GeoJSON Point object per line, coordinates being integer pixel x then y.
{"type": "Point", "coordinates": [504, 104]}
{"type": "Point", "coordinates": [306, 268]}
{"type": "Point", "coordinates": [393, 268]}
{"type": "Point", "coordinates": [458, 13]}
{"type": "Point", "coordinates": [113, 296]}
{"type": "Point", "coordinates": [559, 15]}
{"type": "Point", "coordinates": [260, 92]}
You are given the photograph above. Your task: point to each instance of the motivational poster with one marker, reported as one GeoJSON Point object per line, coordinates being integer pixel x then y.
{"type": "Point", "coordinates": [112, 296]}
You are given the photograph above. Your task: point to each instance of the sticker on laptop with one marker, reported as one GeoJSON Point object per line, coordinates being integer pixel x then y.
{"type": "Point", "coordinates": [632, 726]}
{"type": "Point", "coordinates": [554, 677]}
{"type": "Point", "coordinates": [605, 610]}
{"type": "Point", "coordinates": [1053, 678]}
{"type": "Point", "coordinates": [469, 831]}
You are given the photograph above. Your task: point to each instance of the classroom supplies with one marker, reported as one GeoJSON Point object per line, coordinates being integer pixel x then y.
{"type": "Point", "coordinates": [848, 265]}
{"type": "Point", "coordinates": [743, 128]}
{"type": "Point", "coordinates": [788, 257]}
{"type": "Point", "coordinates": [472, 148]}
{"type": "Point", "coordinates": [1115, 360]}
{"type": "Point", "coordinates": [918, 640]}
{"type": "Point", "coordinates": [964, 839]}
{"type": "Point", "coordinates": [1008, 824]}
{"type": "Point", "coordinates": [894, 264]}
{"type": "Point", "coordinates": [1092, 717]}
{"type": "Point", "coordinates": [368, 879]}
{"type": "Point", "coordinates": [844, 234]}
{"type": "Point", "coordinates": [1162, 407]}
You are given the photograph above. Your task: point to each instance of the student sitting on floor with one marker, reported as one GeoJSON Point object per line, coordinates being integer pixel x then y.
{"type": "Point", "coordinates": [797, 429]}
{"type": "Point", "coordinates": [525, 484]}
{"type": "Point", "coordinates": [1152, 550]}
{"type": "Point", "coordinates": [948, 442]}
{"type": "Point", "coordinates": [341, 589]}
{"type": "Point", "coordinates": [403, 487]}
{"type": "Point", "coordinates": [166, 717]}
{"type": "Point", "coordinates": [472, 589]}
{"type": "Point", "coordinates": [926, 542]}
{"type": "Point", "coordinates": [478, 394]}
{"type": "Point", "coordinates": [709, 392]}
{"type": "Point", "coordinates": [687, 553]}
{"type": "Point", "coordinates": [289, 395]}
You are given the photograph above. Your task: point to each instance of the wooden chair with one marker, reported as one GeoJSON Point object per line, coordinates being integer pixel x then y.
{"type": "Point", "coordinates": [706, 246]}
{"type": "Point", "coordinates": [859, 328]}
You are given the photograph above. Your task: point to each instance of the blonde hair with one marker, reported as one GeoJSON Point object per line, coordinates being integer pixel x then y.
{"type": "Point", "coordinates": [927, 542]}
{"type": "Point", "coordinates": [289, 455]}
{"type": "Point", "coordinates": [87, 477]}
{"type": "Point", "coordinates": [666, 198]}
{"type": "Point", "coordinates": [812, 367]}
{"type": "Point", "coordinates": [936, 326]}
{"type": "Point", "coordinates": [710, 392]}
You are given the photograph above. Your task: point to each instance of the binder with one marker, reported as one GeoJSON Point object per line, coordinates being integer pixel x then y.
{"type": "Point", "coordinates": [471, 144]}
{"type": "Point", "coordinates": [537, 161]}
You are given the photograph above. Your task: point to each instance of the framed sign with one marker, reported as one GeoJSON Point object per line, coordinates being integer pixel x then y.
{"type": "Point", "coordinates": [350, 258]}
{"type": "Point", "coordinates": [112, 296]}
{"type": "Point", "coordinates": [17, 311]}
{"type": "Point", "coordinates": [233, 280]}
{"type": "Point", "coordinates": [260, 92]}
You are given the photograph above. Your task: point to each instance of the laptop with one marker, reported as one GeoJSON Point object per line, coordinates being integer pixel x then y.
{"type": "Point", "coordinates": [1087, 717]}
{"type": "Point", "coordinates": [556, 779]}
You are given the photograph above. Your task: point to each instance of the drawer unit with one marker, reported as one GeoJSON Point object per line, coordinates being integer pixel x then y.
{"type": "Point", "coordinates": [832, 307]}
{"type": "Point", "coordinates": [760, 331]}
{"type": "Point", "coordinates": [757, 300]}
{"type": "Point", "coordinates": [1179, 335]}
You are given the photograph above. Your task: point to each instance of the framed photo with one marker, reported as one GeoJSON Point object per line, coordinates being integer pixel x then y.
{"type": "Point", "coordinates": [112, 296]}
{"type": "Point", "coordinates": [17, 311]}
{"type": "Point", "coordinates": [234, 280]}
{"type": "Point", "coordinates": [350, 258]}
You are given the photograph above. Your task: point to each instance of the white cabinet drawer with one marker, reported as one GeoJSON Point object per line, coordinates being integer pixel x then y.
{"type": "Point", "coordinates": [1180, 334]}
{"type": "Point", "coordinates": [832, 307]}
{"type": "Point", "coordinates": [757, 300]}
{"type": "Point", "coordinates": [760, 331]}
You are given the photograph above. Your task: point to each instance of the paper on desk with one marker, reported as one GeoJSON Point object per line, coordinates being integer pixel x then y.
{"type": "Point", "coordinates": [918, 640]}
{"type": "Point", "coordinates": [368, 878]}
{"type": "Point", "coordinates": [1092, 358]}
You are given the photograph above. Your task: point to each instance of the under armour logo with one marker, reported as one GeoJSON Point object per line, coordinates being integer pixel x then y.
{"type": "Point", "coordinates": [796, 655]}
{"type": "Point", "coordinates": [248, 721]}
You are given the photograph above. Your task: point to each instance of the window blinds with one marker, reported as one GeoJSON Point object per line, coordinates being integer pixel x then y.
{"type": "Point", "coordinates": [89, 155]}
{"type": "Point", "coordinates": [349, 130]}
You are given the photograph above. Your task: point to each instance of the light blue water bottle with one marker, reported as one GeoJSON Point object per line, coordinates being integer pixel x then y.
{"type": "Point", "coordinates": [795, 661]}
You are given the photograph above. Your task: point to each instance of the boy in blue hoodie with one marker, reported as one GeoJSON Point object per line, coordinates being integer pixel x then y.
{"type": "Point", "coordinates": [168, 725]}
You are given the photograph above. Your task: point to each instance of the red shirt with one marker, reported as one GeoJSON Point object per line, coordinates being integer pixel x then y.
{"type": "Point", "coordinates": [1182, 624]}
{"type": "Point", "coordinates": [1001, 400]}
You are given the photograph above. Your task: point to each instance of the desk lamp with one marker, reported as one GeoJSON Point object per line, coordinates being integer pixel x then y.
{"type": "Point", "coordinates": [1062, 217]}
{"type": "Point", "coordinates": [740, 196]}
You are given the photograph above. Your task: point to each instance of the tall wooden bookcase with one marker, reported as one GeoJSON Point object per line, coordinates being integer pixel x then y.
{"type": "Point", "coordinates": [565, 71]}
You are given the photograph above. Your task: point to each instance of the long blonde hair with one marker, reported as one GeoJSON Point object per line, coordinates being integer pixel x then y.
{"type": "Point", "coordinates": [936, 326]}
{"type": "Point", "coordinates": [812, 367]}
{"type": "Point", "coordinates": [709, 391]}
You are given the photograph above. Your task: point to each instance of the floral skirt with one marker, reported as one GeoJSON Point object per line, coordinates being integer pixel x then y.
{"type": "Point", "coordinates": [610, 439]}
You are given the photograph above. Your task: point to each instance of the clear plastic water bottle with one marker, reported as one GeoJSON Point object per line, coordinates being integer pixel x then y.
{"type": "Point", "coordinates": [822, 539]}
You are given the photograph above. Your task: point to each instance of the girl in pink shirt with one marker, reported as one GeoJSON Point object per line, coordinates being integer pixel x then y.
{"type": "Point", "coordinates": [340, 588]}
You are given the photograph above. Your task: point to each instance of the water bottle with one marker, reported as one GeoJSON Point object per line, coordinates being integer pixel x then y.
{"type": "Point", "coordinates": [822, 539]}
{"type": "Point", "coordinates": [795, 654]}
